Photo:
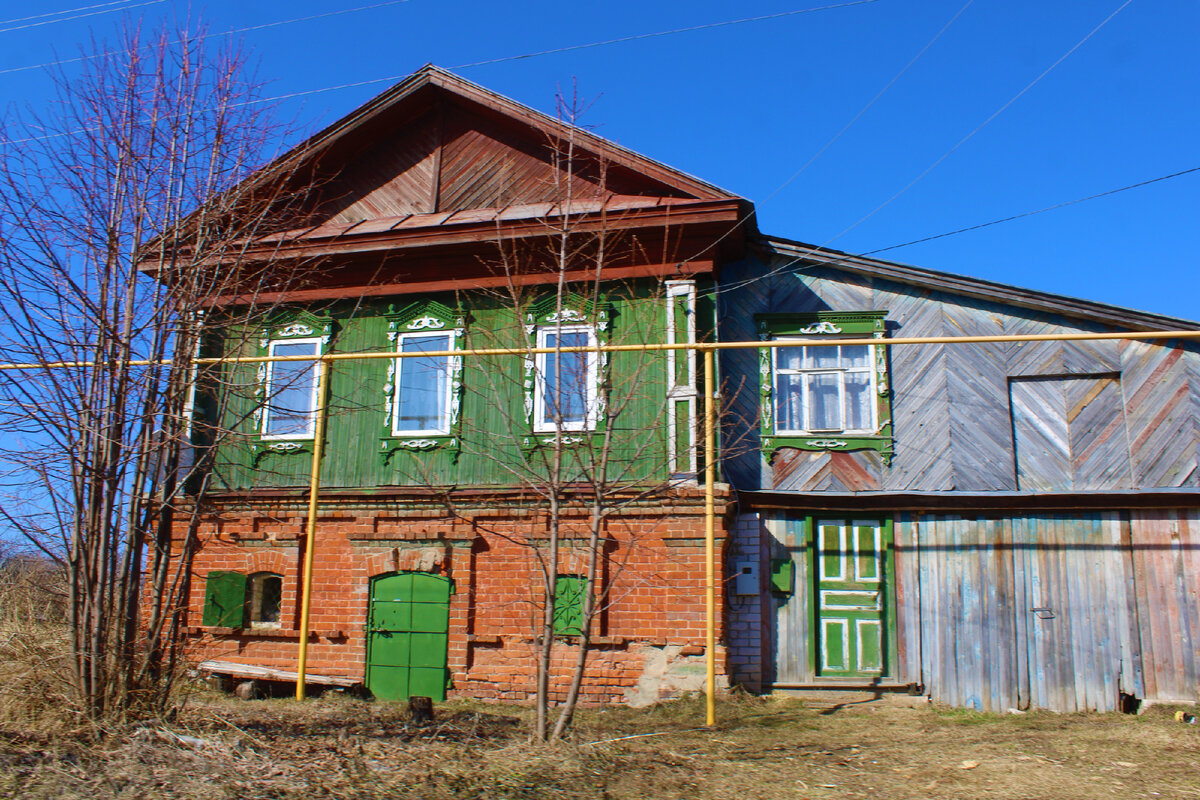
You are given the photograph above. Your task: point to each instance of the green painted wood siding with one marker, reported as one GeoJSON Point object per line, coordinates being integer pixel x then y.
{"type": "Point", "coordinates": [492, 440]}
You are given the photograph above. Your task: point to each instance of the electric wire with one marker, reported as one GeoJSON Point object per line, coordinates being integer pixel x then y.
{"type": "Point", "coordinates": [1137, 185]}
{"type": "Point", "coordinates": [64, 11]}
{"type": "Point", "coordinates": [784, 267]}
{"type": "Point", "coordinates": [985, 123]}
{"type": "Point", "coordinates": [78, 16]}
{"type": "Point", "coordinates": [847, 126]}
{"type": "Point", "coordinates": [394, 78]}
{"type": "Point", "coordinates": [229, 32]}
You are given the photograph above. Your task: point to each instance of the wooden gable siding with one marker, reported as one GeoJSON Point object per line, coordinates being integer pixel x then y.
{"type": "Point", "coordinates": [395, 177]}
{"type": "Point", "coordinates": [453, 159]}
{"type": "Point", "coordinates": [952, 411]}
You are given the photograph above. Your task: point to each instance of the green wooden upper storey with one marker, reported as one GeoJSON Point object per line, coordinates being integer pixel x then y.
{"type": "Point", "coordinates": [441, 218]}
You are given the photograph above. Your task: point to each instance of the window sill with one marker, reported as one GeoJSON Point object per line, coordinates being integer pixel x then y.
{"type": "Point", "coordinates": [416, 443]}
{"type": "Point", "coordinates": [830, 442]}
{"type": "Point", "coordinates": [261, 633]}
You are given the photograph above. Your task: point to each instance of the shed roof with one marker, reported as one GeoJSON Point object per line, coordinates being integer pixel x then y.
{"type": "Point", "coordinates": [1072, 307]}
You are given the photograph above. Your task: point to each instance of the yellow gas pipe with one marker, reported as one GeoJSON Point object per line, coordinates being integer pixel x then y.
{"type": "Point", "coordinates": [310, 527]}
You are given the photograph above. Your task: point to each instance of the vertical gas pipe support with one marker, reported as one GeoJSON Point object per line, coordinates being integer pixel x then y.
{"type": "Point", "coordinates": [710, 588]}
{"type": "Point", "coordinates": [310, 526]}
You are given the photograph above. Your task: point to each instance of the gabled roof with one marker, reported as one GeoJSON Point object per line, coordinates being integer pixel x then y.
{"type": "Point", "coordinates": [437, 157]}
{"type": "Point", "coordinates": [419, 91]}
{"type": "Point", "coordinates": [975, 287]}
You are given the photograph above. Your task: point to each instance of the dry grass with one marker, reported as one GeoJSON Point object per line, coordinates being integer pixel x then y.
{"type": "Point", "coordinates": [35, 675]}
{"type": "Point", "coordinates": [342, 748]}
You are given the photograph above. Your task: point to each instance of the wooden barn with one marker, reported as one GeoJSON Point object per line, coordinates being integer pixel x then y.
{"type": "Point", "coordinates": [996, 524]}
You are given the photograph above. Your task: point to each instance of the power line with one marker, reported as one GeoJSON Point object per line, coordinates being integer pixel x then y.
{"type": "Point", "coordinates": [394, 78]}
{"type": "Point", "coordinates": [1032, 213]}
{"type": "Point", "coordinates": [943, 157]}
{"type": "Point", "coordinates": [229, 32]}
{"type": "Point", "coordinates": [842, 258]}
{"type": "Point", "coordinates": [77, 16]}
{"type": "Point", "coordinates": [60, 13]}
{"type": "Point", "coordinates": [983, 124]}
{"type": "Point", "coordinates": [845, 127]}
{"type": "Point", "coordinates": [662, 33]}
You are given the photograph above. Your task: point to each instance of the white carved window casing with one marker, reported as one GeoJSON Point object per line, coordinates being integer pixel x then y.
{"type": "Point", "coordinates": [290, 389]}
{"type": "Point", "coordinates": [566, 387]}
{"type": "Point", "coordinates": [423, 393]}
{"type": "Point", "coordinates": [824, 389]}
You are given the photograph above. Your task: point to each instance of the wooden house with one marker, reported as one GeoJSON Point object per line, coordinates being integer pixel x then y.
{"type": "Point", "coordinates": [994, 524]}
{"type": "Point", "coordinates": [445, 218]}
{"type": "Point", "coordinates": [998, 525]}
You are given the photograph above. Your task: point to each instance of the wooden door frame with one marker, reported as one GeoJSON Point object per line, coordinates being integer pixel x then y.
{"type": "Point", "coordinates": [890, 650]}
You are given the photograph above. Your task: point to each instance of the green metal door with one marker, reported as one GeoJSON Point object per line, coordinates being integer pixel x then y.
{"type": "Point", "coordinates": [850, 597]}
{"type": "Point", "coordinates": [407, 627]}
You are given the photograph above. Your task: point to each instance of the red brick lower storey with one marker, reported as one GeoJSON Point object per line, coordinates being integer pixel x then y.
{"type": "Point", "coordinates": [649, 633]}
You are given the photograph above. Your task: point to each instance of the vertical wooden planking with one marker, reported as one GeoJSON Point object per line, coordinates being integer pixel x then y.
{"type": "Point", "coordinates": [1021, 644]}
{"type": "Point", "coordinates": [907, 600]}
{"type": "Point", "coordinates": [1132, 676]}
{"type": "Point", "coordinates": [930, 592]}
{"type": "Point", "coordinates": [971, 560]}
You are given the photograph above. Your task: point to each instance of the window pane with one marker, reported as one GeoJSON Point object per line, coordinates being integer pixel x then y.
{"type": "Point", "coordinates": [824, 357]}
{"type": "Point", "coordinates": [858, 401]}
{"type": "Point", "coordinates": [789, 358]}
{"type": "Point", "coordinates": [565, 396]}
{"type": "Point", "coordinates": [422, 385]}
{"type": "Point", "coordinates": [291, 391]}
{"type": "Point", "coordinates": [265, 596]}
{"type": "Point", "coordinates": [789, 403]}
{"type": "Point", "coordinates": [855, 355]}
{"type": "Point", "coordinates": [824, 411]}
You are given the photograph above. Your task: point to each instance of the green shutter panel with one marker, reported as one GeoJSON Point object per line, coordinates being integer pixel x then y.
{"type": "Point", "coordinates": [568, 605]}
{"type": "Point", "coordinates": [225, 599]}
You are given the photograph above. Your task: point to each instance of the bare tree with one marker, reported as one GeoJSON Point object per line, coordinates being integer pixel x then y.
{"type": "Point", "coordinates": [137, 166]}
{"type": "Point", "coordinates": [582, 447]}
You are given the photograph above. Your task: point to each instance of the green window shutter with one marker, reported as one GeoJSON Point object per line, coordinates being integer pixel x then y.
{"type": "Point", "coordinates": [225, 599]}
{"type": "Point", "coordinates": [568, 605]}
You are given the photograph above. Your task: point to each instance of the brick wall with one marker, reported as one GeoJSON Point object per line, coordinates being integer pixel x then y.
{"type": "Point", "coordinates": [747, 646]}
{"type": "Point", "coordinates": [652, 569]}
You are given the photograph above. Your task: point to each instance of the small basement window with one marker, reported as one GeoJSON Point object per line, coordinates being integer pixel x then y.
{"type": "Point", "coordinates": [264, 595]}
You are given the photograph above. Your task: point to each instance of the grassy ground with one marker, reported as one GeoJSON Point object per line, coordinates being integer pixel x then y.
{"type": "Point", "coordinates": [761, 748]}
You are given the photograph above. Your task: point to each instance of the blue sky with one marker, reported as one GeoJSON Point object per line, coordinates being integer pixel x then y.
{"type": "Point", "coordinates": [746, 106]}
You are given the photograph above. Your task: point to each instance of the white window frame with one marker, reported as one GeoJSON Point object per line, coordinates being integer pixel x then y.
{"type": "Point", "coordinates": [806, 405]}
{"type": "Point", "coordinates": [268, 379]}
{"type": "Point", "coordinates": [591, 397]}
{"type": "Point", "coordinates": [443, 428]}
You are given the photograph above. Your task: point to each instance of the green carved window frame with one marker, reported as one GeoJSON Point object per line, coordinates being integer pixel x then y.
{"type": "Point", "coordinates": [433, 317]}
{"type": "Point", "coordinates": [831, 325]}
{"type": "Point", "coordinates": [572, 313]}
{"type": "Point", "coordinates": [282, 328]}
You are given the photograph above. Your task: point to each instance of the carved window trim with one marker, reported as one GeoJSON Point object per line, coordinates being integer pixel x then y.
{"type": "Point", "coordinates": [826, 325]}
{"type": "Point", "coordinates": [296, 327]}
{"type": "Point", "coordinates": [572, 314]}
{"type": "Point", "coordinates": [423, 317]}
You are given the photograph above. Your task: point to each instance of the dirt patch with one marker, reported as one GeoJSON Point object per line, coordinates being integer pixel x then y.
{"type": "Point", "coordinates": [341, 748]}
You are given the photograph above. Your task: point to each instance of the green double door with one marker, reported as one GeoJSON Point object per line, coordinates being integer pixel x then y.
{"type": "Point", "coordinates": [407, 630]}
{"type": "Point", "coordinates": [850, 593]}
